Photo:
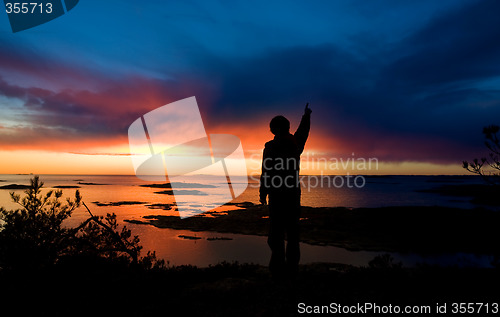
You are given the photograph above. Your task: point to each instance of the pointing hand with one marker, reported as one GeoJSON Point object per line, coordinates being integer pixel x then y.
{"type": "Point", "coordinates": [307, 110]}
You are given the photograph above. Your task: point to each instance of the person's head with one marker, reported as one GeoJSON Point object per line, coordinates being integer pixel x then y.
{"type": "Point", "coordinates": [279, 125]}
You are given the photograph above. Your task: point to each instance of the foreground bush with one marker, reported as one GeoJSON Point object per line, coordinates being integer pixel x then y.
{"type": "Point", "coordinates": [34, 237]}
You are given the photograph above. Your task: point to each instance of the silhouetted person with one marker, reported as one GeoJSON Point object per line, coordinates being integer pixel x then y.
{"type": "Point", "coordinates": [280, 181]}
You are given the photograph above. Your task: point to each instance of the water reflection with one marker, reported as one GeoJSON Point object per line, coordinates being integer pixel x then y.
{"type": "Point", "coordinates": [241, 248]}
{"type": "Point", "coordinates": [253, 249]}
{"type": "Point", "coordinates": [244, 248]}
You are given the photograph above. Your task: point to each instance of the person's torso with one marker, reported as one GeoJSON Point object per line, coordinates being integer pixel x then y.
{"type": "Point", "coordinates": [283, 163]}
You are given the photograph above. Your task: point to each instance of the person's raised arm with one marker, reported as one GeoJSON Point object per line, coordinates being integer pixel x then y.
{"type": "Point", "coordinates": [302, 132]}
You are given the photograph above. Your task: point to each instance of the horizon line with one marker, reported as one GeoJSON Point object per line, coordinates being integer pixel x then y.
{"type": "Point", "coordinates": [252, 175]}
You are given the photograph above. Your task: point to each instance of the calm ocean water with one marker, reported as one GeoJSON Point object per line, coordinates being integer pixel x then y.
{"type": "Point", "coordinates": [377, 192]}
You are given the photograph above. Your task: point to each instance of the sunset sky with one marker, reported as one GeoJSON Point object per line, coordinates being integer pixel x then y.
{"type": "Point", "coordinates": [410, 83]}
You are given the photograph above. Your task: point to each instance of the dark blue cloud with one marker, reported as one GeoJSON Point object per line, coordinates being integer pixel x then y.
{"type": "Point", "coordinates": [429, 86]}
{"type": "Point", "coordinates": [456, 47]}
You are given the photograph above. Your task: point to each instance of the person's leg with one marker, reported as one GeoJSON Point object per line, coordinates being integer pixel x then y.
{"type": "Point", "coordinates": [276, 238]}
{"type": "Point", "coordinates": [293, 240]}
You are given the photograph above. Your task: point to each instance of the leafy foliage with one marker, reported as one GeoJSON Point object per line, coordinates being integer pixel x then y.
{"type": "Point", "coordinates": [488, 167]}
{"type": "Point", "coordinates": [34, 236]}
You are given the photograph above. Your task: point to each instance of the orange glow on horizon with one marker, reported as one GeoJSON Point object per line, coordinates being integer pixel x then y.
{"type": "Point", "coordinates": [38, 162]}
{"type": "Point", "coordinates": [110, 156]}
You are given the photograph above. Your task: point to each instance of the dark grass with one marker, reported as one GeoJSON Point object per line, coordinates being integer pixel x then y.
{"type": "Point", "coordinates": [82, 287]}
